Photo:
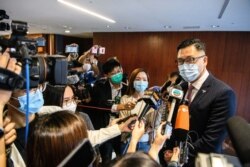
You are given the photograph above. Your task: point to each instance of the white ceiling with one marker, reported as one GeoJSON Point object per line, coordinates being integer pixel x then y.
{"type": "Point", "coordinates": [50, 16]}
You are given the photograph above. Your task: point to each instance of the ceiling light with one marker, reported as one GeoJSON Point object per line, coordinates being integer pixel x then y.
{"type": "Point", "coordinates": [127, 28]}
{"type": "Point", "coordinates": [85, 10]}
{"type": "Point", "coordinates": [215, 26]}
{"type": "Point", "coordinates": [167, 27]}
{"type": "Point", "coordinates": [67, 31]}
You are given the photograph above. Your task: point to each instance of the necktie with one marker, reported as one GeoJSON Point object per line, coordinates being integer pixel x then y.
{"type": "Point", "coordinates": [189, 93]}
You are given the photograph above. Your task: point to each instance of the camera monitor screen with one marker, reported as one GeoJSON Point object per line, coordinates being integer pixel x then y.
{"type": "Point", "coordinates": [71, 49]}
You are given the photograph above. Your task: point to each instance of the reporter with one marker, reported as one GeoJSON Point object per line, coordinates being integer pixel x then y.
{"type": "Point", "coordinates": [63, 96]}
{"type": "Point", "coordinates": [53, 137]}
{"type": "Point", "coordinates": [138, 83]}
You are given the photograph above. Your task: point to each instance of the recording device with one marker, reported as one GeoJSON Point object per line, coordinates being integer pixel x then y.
{"type": "Point", "coordinates": [71, 49]}
{"type": "Point", "coordinates": [167, 129]}
{"type": "Point", "coordinates": [239, 133]}
{"type": "Point", "coordinates": [82, 156]}
{"type": "Point", "coordinates": [52, 68]}
{"type": "Point", "coordinates": [97, 50]}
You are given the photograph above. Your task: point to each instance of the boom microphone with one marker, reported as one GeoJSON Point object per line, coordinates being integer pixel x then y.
{"type": "Point", "coordinates": [239, 132]}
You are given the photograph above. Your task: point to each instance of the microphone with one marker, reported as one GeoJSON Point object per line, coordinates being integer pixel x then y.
{"type": "Point", "coordinates": [165, 86]}
{"type": "Point", "coordinates": [182, 122]}
{"type": "Point", "coordinates": [175, 94]}
{"type": "Point", "coordinates": [151, 99]}
{"type": "Point", "coordinates": [181, 131]}
{"type": "Point", "coordinates": [239, 132]}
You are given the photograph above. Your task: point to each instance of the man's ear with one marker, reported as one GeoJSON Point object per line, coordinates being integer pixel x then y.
{"type": "Point", "coordinates": [205, 60]}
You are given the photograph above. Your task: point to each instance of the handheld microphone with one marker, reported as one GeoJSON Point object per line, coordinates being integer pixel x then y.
{"type": "Point", "coordinates": [182, 122]}
{"type": "Point", "coordinates": [181, 131]}
{"type": "Point", "coordinates": [175, 94]}
{"type": "Point", "coordinates": [151, 99]}
{"type": "Point", "coordinates": [165, 86]}
{"type": "Point", "coordinates": [239, 132]}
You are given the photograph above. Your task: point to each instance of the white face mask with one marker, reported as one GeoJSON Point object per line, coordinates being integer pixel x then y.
{"type": "Point", "coordinates": [86, 67]}
{"type": "Point", "coordinates": [71, 107]}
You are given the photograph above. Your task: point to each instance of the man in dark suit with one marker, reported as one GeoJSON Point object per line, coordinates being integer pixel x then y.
{"type": "Point", "coordinates": [106, 95]}
{"type": "Point", "coordinates": [211, 101]}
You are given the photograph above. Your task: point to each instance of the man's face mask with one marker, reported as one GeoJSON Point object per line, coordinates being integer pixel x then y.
{"type": "Point", "coordinates": [116, 78]}
{"type": "Point", "coordinates": [189, 72]}
{"type": "Point", "coordinates": [35, 102]}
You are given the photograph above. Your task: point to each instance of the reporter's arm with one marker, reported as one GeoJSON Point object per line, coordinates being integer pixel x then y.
{"type": "Point", "coordinates": [138, 131]}
{"type": "Point", "coordinates": [104, 134]}
{"type": "Point", "coordinates": [158, 143]}
{"type": "Point", "coordinates": [99, 136]}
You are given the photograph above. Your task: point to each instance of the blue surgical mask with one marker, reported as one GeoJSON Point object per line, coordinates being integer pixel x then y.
{"type": "Point", "coordinates": [189, 72]}
{"type": "Point", "coordinates": [35, 102]}
{"type": "Point", "coordinates": [140, 86]}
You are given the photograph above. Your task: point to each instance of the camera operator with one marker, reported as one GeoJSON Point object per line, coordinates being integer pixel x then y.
{"type": "Point", "coordinates": [7, 131]}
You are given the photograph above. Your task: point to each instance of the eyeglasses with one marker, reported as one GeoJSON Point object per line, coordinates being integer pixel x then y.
{"type": "Point", "coordinates": [68, 101]}
{"type": "Point", "coordinates": [188, 60]}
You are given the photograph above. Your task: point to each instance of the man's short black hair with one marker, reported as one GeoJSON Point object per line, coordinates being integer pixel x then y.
{"type": "Point", "coordinates": [109, 65]}
{"type": "Point", "coordinates": [194, 41]}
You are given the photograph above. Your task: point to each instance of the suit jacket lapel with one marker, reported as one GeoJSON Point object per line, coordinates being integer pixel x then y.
{"type": "Point", "coordinates": [203, 90]}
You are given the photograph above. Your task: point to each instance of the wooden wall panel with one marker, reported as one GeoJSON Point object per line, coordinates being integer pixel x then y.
{"type": "Point", "coordinates": [228, 56]}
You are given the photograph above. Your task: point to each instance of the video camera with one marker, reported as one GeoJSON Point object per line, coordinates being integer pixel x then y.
{"type": "Point", "coordinates": [53, 69]}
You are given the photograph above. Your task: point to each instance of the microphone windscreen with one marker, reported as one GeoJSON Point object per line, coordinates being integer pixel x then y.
{"type": "Point", "coordinates": [182, 123]}
{"type": "Point", "coordinates": [239, 132]}
{"type": "Point", "coordinates": [165, 86]}
{"type": "Point", "coordinates": [182, 119]}
{"type": "Point", "coordinates": [178, 80]}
